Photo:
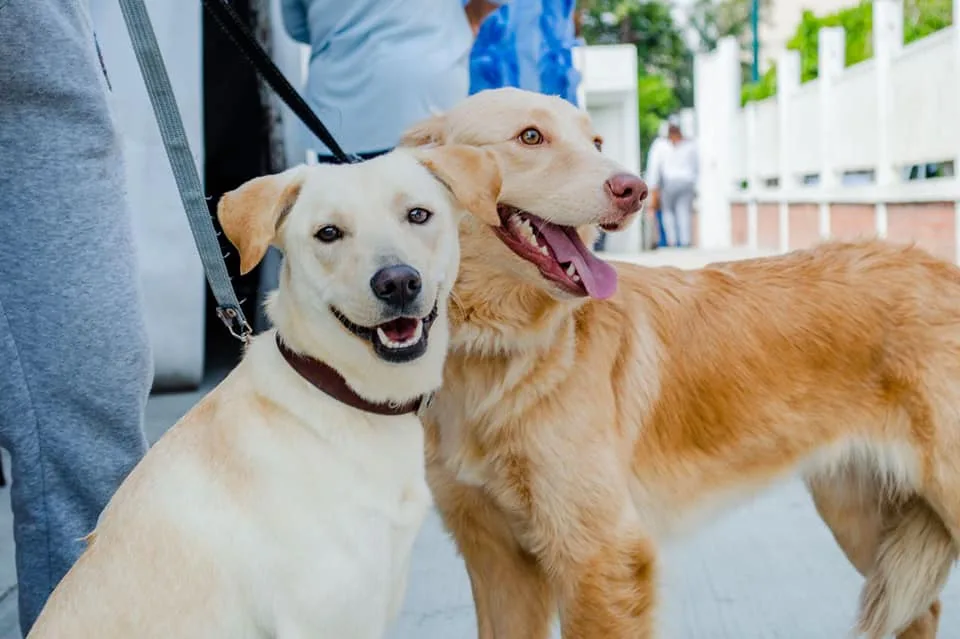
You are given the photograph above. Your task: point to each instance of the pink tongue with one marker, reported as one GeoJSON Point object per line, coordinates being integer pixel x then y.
{"type": "Point", "coordinates": [598, 277]}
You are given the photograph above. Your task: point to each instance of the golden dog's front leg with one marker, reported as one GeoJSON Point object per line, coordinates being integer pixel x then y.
{"type": "Point", "coordinates": [512, 597]}
{"type": "Point", "coordinates": [611, 596]}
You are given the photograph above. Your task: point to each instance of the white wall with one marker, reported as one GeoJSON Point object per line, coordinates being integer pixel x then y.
{"type": "Point", "coordinates": [173, 282]}
{"type": "Point", "coordinates": [609, 94]}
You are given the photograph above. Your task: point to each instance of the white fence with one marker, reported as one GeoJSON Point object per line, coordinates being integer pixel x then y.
{"type": "Point", "coordinates": [828, 158]}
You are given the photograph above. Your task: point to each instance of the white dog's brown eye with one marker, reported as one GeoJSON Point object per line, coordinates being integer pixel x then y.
{"type": "Point", "coordinates": [531, 137]}
{"type": "Point", "coordinates": [419, 216]}
{"type": "Point", "coordinates": [597, 142]}
{"type": "Point", "coordinates": [328, 234]}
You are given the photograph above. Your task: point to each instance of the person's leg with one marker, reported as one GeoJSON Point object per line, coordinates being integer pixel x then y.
{"type": "Point", "coordinates": [661, 233]}
{"type": "Point", "coordinates": [668, 201]}
{"type": "Point", "coordinates": [683, 213]}
{"type": "Point", "coordinates": [76, 361]}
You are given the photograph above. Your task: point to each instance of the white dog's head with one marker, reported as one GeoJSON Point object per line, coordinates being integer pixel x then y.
{"type": "Point", "coordinates": [370, 256]}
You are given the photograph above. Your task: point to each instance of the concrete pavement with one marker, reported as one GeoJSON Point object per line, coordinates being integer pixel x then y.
{"type": "Point", "coordinates": [769, 570]}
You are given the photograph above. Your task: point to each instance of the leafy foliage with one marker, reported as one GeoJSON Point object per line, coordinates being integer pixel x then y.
{"type": "Point", "coordinates": [664, 60]}
{"type": "Point", "coordinates": [921, 18]}
{"type": "Point", "coordinates": [650, 27]}
{"type": "Point", "coordinates": [657, 101]}
{"type": "Point", "coordinates": [664, 54]}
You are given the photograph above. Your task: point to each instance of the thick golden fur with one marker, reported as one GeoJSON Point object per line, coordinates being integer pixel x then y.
{"type": "Point", "coordinates": [571, 437]}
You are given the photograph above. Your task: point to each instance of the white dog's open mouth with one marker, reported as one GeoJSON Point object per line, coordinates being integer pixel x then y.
{"type": "Point", "coordinates": [557, 251]}
{"type": "Point", "coordinates": [399, 340]}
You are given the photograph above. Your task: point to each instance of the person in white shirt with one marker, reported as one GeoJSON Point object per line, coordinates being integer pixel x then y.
{"type": "Point", "coordinates": [652, 159]}
{"type": "Point", "coordinates": [672, 177]}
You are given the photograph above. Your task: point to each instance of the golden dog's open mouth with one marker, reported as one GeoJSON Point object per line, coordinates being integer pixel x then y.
{"type": "Point", "coordinates": [558, 252]}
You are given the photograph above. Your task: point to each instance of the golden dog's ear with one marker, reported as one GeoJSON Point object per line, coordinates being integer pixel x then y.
{"type": "Point", "coordinates": [250, 215]}
{"type": "Point", "coordinates": [470, 173]}
{"type": "Point", "coordinates": [429, 131]}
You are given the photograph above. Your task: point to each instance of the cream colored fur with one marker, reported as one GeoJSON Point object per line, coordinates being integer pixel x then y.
{"type": "Point", "coordinates": [272, 509]}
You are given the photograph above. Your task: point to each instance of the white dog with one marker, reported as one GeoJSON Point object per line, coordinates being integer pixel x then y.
{"type": "Point", "coordinates": [286, 502]}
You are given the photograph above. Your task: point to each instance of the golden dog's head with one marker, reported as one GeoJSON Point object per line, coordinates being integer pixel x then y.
{"type": "Point", "coordinates": [557, 188]}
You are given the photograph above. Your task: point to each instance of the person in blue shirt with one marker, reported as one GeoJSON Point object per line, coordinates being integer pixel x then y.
{"type": "Point", "coordinates": [379, 66]}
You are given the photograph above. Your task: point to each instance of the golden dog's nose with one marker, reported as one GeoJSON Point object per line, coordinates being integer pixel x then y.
{"type": "Point", "coordinates": [627, 191]}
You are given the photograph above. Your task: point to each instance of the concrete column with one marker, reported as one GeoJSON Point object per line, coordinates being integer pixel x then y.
{"type": "Point", "coordinates": [887, 43]}
{"type": "Point", "coordinates": [831, 54]}
{"type": "Point", "coordinates": [717, 96]}
{"type": "Point", "coordinates": [788, 81]}
{"type": "Point", "coordinates": [956, 159]}
{"type": "Point", "coordinates": [753, 172]}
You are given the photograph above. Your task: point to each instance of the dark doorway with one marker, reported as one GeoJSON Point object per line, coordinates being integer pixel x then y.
{"type": "Point", "coordinates": [236, 138]}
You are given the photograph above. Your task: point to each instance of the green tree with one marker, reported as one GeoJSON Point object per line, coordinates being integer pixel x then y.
{"type": "Point", "coordinates": [664, 61]}
{"type": "Point", "coordinates": [648, 25]}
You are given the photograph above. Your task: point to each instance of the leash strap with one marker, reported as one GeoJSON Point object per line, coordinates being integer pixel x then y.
{"type": "Point", "coordinates": [184, 168]}
{"type": "Point", "coordinates": [232, 24]}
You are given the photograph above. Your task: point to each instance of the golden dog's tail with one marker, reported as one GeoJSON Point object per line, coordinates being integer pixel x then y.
{"type": "Point", "coordinates": [913, 562]}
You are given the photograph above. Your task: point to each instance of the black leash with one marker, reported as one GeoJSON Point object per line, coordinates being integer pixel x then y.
{"type": "Point", "coordinates": [232, 24]}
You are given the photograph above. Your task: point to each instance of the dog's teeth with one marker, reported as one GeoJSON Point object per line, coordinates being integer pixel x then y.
{"type": "Point", "coordinates": [389, 343]}
{"type": "Point", "coordinates": [543, 249]}
{"type": "Point", "coordinates": [571, 271]}
{"type": "Point", "coordinates": [576, 278]}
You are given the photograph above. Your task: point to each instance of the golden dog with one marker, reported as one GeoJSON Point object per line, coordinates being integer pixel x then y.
{"type": "Point", "coordinates": [588, 413]}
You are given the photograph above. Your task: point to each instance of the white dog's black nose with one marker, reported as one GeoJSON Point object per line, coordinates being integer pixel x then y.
{"type": "Point", "coordinates": [396, 285]}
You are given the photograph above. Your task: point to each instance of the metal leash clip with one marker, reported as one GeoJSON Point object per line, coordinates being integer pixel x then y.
{"type": "Point", "coordinates": [236, 323]}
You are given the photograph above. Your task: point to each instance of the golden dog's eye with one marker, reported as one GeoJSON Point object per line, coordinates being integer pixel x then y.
{"type": "Point", "coordinates": [598, 142]}
{"type": "Point", "coordinates": [419, 216]}
{"type": "Point", "coordinates": [328, 234]}
{"type": "Point", "coordinates": [531, 137]}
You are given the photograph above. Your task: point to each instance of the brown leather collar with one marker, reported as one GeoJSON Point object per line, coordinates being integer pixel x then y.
{"type": "Point", "coordinates": [328, 380]}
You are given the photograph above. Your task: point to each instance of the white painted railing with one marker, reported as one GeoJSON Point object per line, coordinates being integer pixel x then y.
{"type": "Point", "coordinates": [828, 158]}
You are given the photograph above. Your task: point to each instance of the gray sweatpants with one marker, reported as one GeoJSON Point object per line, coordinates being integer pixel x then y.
{"type": "Point", "coordinates": [676, 202]}
{"type": "Point", "coordinates": [75, 365]}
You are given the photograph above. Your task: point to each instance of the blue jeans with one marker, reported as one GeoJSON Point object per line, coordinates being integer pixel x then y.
{"type": "Point", "coordinates": [76, 366]}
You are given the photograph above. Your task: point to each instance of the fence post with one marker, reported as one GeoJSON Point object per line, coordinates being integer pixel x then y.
{"type": "Point", "coordinates": [887, 43]}
{"type": "Point", "coordinates": [831, 57]}
{"type": "Point", "coordinates": [717, 98]}
{"type": "Point", "coordinates": [956, 159]}
{"type": "Point", "coordinates": [753, 171]}
{"type": "Point", "coordinates": [788, 81]}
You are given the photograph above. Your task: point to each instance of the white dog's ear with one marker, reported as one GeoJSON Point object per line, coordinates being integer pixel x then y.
{"type": "Point", "coordinates": [250, 215]}
{"type": "Point", "coordinates": [472, 175]}
{"type": "Point", "coordinates": [426, 132]}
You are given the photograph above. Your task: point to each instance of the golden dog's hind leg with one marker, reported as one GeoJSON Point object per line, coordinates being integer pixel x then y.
{"type": "Point", "coordinates": [876, 536]}
{"type": "Point", "coordinates": [512, 597]}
